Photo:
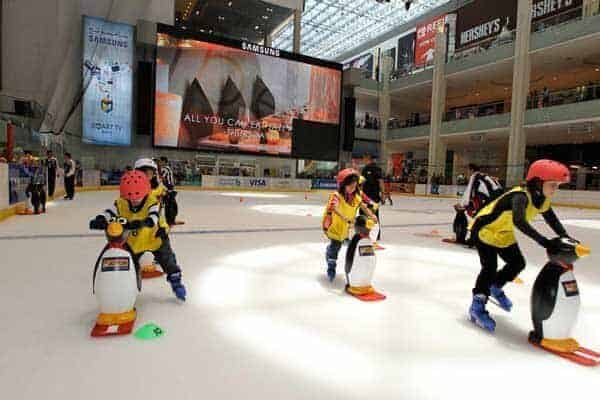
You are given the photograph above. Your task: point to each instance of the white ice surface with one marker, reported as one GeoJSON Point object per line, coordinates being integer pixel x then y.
{"type": "Point", "coordinates": [261, 322]}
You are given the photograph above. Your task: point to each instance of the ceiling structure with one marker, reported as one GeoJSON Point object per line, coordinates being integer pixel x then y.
{"type": "Point", "coordinates": [333, 27]}
{"type": "Point", "coordinates": [248, 20]}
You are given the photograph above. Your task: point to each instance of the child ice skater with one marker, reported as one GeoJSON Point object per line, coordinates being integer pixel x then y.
{"type": "Point", "coordinates": [140, 207]}
{"type": "Point", "coordinates": [340, 214]}
{"type": "Point", "coordinates": [493, 235]}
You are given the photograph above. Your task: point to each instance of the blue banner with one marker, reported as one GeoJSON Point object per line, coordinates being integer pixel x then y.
{"type": "Point", "coordinates": [108, 82]}
{"type": "Point", "coordinates": [324, 184]}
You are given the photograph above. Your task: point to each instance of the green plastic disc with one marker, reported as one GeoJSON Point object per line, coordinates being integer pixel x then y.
{"type": "Point", "coordinates": [149, 331]}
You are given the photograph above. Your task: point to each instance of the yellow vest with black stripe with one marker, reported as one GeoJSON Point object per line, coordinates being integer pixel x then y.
{"type": "Point", "coordinates": [339, 229]}
{"type": "Point", "coordinates": [145, 238]}
{"type": "Point", "coordinates": [501, 231]}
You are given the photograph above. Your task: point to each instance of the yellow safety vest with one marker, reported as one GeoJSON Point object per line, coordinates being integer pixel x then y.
{"type": "Point", "coordinates": [338, 229]}
{"type": "Point", "coordinates": [500, 232]}
{"type": "Point", "coordinates": [145, 238]}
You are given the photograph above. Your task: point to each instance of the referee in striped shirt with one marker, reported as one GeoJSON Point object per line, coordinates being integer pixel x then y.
{"type": "Point", "coordinates": [166, 174]}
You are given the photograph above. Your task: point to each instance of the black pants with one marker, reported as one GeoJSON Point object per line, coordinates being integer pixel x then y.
{"type": "Point", "coordinates": [51, 182]}
{"type": "Point", "coordinates": [165, 257]}
{"type": "Point", "coordinates": [38, 201]}
{"type": "Point", "coordinates": [171, 208]}
{"type": "Point", "coordinates": [488, 255]}
{"type": "Point", "coordinates": [70, 186]}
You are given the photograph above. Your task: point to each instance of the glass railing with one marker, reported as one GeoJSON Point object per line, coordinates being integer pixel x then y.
{"type": "Point", "coordinates": [548, 98]}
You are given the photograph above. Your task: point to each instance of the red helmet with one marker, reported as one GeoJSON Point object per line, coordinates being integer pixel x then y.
{"type": "Point", "coordinates": [134, 186]}
{"type": "Point", "coordinates": [344, 174]}
{"type": "Point", "coordinates": [548, 170]}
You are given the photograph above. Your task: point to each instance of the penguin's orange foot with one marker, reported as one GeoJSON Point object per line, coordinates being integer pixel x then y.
{"type": "Point", "coordinates": [114, 324]}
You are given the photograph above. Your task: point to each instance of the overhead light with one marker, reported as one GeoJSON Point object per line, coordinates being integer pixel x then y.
{"type": "Point", "coordinates": [229, 4]}
{"type": "Point", "coordinates": [256, 27]}
{"type": "Point", "coordinates": [197, 12]}
{"type": "Point", "coordinates": [265, 17]}
{"type": "Point", "coordinates": [202, 30]}
{"type": "Point", "coordinates": [555, 78]}
{"type": "Point", "coordinates": [594, 168]}
{"type": "Point", "coordinates": [269, 9]}
{"type": "Point", "coordinates": [574, 166]}
{"type": "Point", "coordinates": [597, 69]}
{"type": "Point", "coordinates": [210, 31]}
{"type": "Point", "coordinates": [221, 18]}
{"type": "Point", "coordinates": [184, 27]}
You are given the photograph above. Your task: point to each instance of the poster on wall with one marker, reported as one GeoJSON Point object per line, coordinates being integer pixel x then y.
{"type": "Point", "coordinates": [364, 62]}
{"type": "Point", "coordinates": [481, 22]}
{"type": "Point", "coordinates": [484, 23]}
{"type": "Point", "coordinates": [406, 52]}
{"type": "Point", "coordinates": [425, 41]}
{"type": "Point", "coordinates": [108, 50]}
{"type": "Point", "coordinates": [226, 95]}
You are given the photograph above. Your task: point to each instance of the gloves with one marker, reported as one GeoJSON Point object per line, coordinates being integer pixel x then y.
{"type": "Point", "coordinates": [99, 223]}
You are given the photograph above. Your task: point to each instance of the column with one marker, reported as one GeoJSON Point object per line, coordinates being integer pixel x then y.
{"type": "Point", "coordinates": [268, 40]}
{"type": "Point", "coordinates": [384, 110]}
{"type": "Point", "coordinates": [517, 140]}
{"type": "Point", "coordinates": [591, 7]}
{"type": "Point", "coordinates": [437, 149]}
{"type": "Point", "coordinates": [297, 30]}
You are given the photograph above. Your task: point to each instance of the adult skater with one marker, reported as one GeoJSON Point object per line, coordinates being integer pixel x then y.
{"type": "Point", "coordinates": [69, 169]}
{"type": "Point", "coordinates": [140, 208]}
{"type": "Point", "coordinates": [493, 234]}
{"type": "Point", "coordinates": [339, 215]}
{"type": "Point", "coordinates": [51, 168]}
{"type": "Point", "coordinates": [373, 186]}
{"type": "Point", "coordinates": [170, 202]}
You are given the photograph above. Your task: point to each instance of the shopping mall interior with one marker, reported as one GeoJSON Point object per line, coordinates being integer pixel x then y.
{"type": "Point", "coordinates": [243, 123]}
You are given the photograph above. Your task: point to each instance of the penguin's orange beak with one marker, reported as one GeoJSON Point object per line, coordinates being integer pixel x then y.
{"type": "Point", "coordinates": [114, 230]}
{"type": "Point", "coordinates": [582, 251]}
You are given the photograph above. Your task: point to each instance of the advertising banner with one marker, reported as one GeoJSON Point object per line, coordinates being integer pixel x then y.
{"type": "Point", "coordinates": [364, 62]}
{"type": "Point", "coordinates": [425, 42]}
{"type": "Point", "coordinates": [406, 52]}
{"type": "Point", "coordinates": [481, 22]}
{"type": "Point", "coordinates": [324, 184]}
{"type": "Point", "coordinates": [215, 181]}
{"type": "Point", "coordinates": [226, 95]}
{"type": "Point", "coordinates": [108, 50]}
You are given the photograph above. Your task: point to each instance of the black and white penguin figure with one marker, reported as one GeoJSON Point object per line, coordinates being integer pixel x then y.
{"type": "Point", "coordinates": [555, 305]}
{"type": "Point", "coordinates": [361, 262]}
{"type": "Point", "coordinates": [116, 282]}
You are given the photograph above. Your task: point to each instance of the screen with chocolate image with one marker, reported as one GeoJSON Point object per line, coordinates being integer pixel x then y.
{"type": "Point", "coordinates": [213, 94]}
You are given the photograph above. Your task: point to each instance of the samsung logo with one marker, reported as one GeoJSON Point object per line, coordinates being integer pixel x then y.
{"type": "Point", "coordinates": [256, 48]}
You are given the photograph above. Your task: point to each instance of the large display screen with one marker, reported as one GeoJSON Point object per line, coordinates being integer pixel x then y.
{"type": "Point", "coordinates": [225, 95]}
{"type": "Point", "coordinates": [108, 82]}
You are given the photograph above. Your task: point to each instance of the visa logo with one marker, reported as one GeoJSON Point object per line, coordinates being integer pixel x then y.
{"type": "Point", "coordinates": [258, 182]}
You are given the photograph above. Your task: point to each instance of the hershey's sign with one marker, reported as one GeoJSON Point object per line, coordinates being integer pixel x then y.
{"type": "Point", "coordinates": [543, 8]}
{"type": "Point", "coordinates": [481, 32]}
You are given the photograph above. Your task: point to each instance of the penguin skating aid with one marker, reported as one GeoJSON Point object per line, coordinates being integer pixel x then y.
{"type": "Point", "coordinates": [555, 306]}
{"type": "Point", "coordinates": [361, 262]}
{"type": "Point", "coordinates": [116, 282]}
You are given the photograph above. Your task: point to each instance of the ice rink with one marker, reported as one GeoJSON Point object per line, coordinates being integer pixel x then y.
{"type": "Point", "coordinates": [261, 321]}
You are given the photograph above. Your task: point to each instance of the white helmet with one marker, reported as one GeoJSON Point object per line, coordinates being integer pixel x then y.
{"type": "Point", "coordinates": [145, 163]}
